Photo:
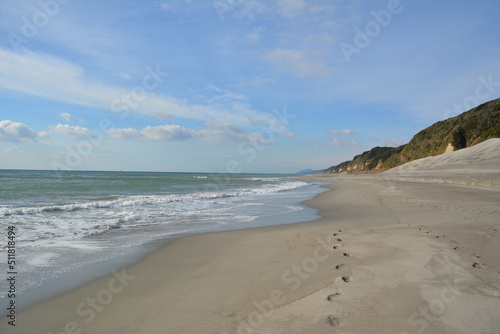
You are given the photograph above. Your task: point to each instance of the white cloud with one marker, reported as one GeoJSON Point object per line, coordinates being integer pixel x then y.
{"type": "Point", "coordinates": [125, 76]}
{"type": "Point", "coordinates": [302, 63]}
{"type": "Point", "coordinates": [16, 132]}
{"type": "Point", "coordinates": [261, 138]}
{"type": "Point", "coordinates": [127, 133]}
{"type": "Point", "coordinates": [167, 132]}
{"type": "Point", "coordinates": [14, 149]}
{"type": "Point", "coordinates": [337, 142]}
{"type": "Point", "coordinates": [213, 132]}
{"type": "Point", "coordinates": [76, 132]}
{"type": "Point", "coordinates": [253, 37]}
{"type": "Point", "coordinates": [345, 132]}
{"type": "Point", "coordinates": [56, 79]}
{"type": "Point", "coordinates": [225, 96]}
{"type": "Point", "coordinates": [68, 117]}
{"type": "Point", "coordinates": [392, 142]}
{"type": "Point", "coordinates": [260, 81]}
{"type": "Point", "coordinates": [220, 132]}
{"type": "Point", "coordinates": [287, 134]}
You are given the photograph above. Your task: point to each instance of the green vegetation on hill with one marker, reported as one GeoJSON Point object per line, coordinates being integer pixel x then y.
{"type": "Point", "coordinates": [371, 160]}
{"type": "Point", "coordinates": [465, 130]}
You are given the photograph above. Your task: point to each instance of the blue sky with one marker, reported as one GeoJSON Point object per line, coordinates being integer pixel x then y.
{"type": "Point", "coordinates": [232, 85]}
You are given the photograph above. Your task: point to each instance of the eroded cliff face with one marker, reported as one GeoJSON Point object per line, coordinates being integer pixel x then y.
{"type": "Point", "coordinates": [465, 130]}
{"type": "Point", "coordinates": [449, 148]}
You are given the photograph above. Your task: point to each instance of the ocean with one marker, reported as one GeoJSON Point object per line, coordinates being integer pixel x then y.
{"type": "Point", "coordinates": [75, 226]}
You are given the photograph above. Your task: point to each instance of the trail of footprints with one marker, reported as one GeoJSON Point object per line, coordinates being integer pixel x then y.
{"type": "Point", "coordinates": [334, 320]}
{"type": "Point", "coordinates": [476, 263]}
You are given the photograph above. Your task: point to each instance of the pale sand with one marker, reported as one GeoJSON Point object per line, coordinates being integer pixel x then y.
{"type": "Point", "coordinates": [412, 244]}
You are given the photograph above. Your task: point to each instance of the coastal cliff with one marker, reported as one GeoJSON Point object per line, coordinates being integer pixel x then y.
{"type": "Point", "coordinates": [467, 129]}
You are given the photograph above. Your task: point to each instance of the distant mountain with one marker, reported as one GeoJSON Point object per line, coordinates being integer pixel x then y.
{"type": "Point", "coordinates": [308, 171]}
{"type": "Point", "coordinates": [465, 130]}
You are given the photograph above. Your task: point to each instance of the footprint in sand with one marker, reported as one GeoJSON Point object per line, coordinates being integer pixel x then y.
{"type": "Point", "coordinates": [333, 321]}
{"type": "Point", "coordinates": [477, 265]}
{"type": "Point", "coordinates": [346, 279]}
{"type": "Point", "coordinates": [347, 254]}
{"type": "Point", "coordinates": [332, 296]}
{"type": "Point", "coordinates": [338, 239]}
{"type": "Point", "coordinates": [336, 246]}
{"type": "Point", "coordinates": [339, 266]}
{"type": "Point", "coordinates": [335, 234]}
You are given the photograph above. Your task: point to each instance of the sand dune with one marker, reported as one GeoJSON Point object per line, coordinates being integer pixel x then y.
{"type": "Point", "coordinates": [484, 156]}
{"type": "Point", "coordinates": [477, 166]}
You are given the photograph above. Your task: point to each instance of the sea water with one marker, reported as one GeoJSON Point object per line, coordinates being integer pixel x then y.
{"type": "Point", "coordinates": [74, 226]}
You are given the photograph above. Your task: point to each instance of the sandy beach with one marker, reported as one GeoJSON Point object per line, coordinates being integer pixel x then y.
{"type": "Point", "coordinates": [392, 253]}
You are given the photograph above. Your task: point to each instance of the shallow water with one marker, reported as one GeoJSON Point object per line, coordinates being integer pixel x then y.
{"type": "Point", "coordinates": [75, 226]}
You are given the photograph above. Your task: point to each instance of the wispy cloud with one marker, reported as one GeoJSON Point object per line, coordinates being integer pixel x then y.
{"type": "Point", "coordinates": [336, 142]}
{"type": "Point", "coordinates": [260, 81]}
{"type": "Point", "coordinates": [291, 8]}
{"type": "Point", "coordinates": [303, 63]}
{"type": "Point", "coordinates": [345, 132]}
{"type": "Point", "coordinates": [392, 142]}
{"type": "Point", "coordinates": [220, 132]}
{"type": "Point", "coordinates": [213, 132]}
{"type": "Point", "coordinates": [163, 5]}
{"type": "Point", "coordinates": [53, 78]}
{"type": "Point", "coordinates": [68, 117]}
{"type": "Point", "coordinates": [14, 149]}
{"type": "Point", "coordinates": [224, 96]}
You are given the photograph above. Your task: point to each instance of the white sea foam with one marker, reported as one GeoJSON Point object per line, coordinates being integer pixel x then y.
{"type": "Point", "coordinates": [131, 201]}
{"type": "Point", "coordinates": [92, 225]}
{"type": "Point", "coordinates": [72, 222]}
{"type": "Point", "coordinates": [41, 259]}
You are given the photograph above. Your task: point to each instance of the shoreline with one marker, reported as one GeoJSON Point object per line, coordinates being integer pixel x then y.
{"type": "Point", "coordinates": [92, 271]}
{"type": "Point", "coordinates": [409, 269]}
